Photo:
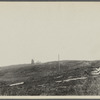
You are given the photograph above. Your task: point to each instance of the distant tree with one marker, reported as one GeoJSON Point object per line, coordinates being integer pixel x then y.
{"type": "Point", "coordinates": [32, 61]}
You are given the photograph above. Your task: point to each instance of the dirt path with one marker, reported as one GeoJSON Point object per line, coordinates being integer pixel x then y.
{"type": "Point", "coordinates": [80, 78]}
{"type": "Point", "coordinates": [72, 79]}
{"type": "Point", "coordinates": [16, 84]}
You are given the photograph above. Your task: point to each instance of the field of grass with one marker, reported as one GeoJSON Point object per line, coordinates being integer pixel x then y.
{"type": "Point", "coordinates": [47, 79]}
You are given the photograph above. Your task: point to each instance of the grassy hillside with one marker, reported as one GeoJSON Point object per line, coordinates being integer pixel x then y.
{"type": "Point", "coordinates": [47, 79]}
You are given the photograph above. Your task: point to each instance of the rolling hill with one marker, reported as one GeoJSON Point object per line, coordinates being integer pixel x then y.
{"type": "Point", "coordinates": [47, 79]}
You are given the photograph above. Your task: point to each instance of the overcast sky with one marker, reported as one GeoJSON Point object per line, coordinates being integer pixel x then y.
{"type": "Point", "coordinates": [42, 30]}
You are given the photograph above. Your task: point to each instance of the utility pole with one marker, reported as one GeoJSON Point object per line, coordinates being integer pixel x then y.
{"type": "Point", "coordinates": [59, 62]}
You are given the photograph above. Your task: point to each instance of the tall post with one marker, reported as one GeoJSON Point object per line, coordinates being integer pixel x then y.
{"type": "Point", "coordinates": [59, 62]}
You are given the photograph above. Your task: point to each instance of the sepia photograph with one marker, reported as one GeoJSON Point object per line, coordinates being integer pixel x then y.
{"type": "Point", "coordinates": [49, 48]}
